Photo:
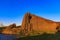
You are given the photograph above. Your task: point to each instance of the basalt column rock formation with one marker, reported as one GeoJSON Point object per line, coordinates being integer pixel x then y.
{"type": "Point", "coordinates": [33, 24]}
{"type": "Point", "coordinates": [12, 29]}
{"type": "Point", "coordinates": [26, 25]}
{"type": "Point", "coordinates": [36, 24]}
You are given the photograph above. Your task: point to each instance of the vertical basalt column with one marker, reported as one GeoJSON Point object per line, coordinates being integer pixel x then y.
{"type": "Point", "coordinates": [27, 27]}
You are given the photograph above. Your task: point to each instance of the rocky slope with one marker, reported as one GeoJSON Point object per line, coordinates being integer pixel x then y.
{"type": "Point", "coordinates": [37, 25]}
{"type": "Point", "coordinates": [33, 24]}
{"type": "Point", "coordinates": [12, 29]}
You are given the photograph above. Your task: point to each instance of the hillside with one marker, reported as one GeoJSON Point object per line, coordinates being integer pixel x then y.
{"type": "Point", "coordinates": [33, 25]}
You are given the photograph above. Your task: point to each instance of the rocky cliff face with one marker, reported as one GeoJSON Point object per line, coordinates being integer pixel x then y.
{"type": "Point", "coordinates": [33, 24]}
{"type": "Point", "coordinates": [38, 25]}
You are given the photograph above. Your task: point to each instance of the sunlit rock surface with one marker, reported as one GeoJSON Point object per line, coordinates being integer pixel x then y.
{"type": "Point", "coordinates": [12, 29]}
{"type": "Point", "coordinates": [33, 24]}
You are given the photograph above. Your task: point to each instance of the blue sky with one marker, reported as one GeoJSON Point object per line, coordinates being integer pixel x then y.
{"type": "Point", "coordinates": [12, 11]}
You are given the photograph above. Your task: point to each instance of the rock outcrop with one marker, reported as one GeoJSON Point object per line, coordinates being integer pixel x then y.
{"type": "Point", "coordinates": [33, 24]}
{"type": "Point", "coordinates": [12, 29]}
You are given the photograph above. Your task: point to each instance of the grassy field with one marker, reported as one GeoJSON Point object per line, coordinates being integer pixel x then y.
{"type": "Point", "coordinates": [42, 37]}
